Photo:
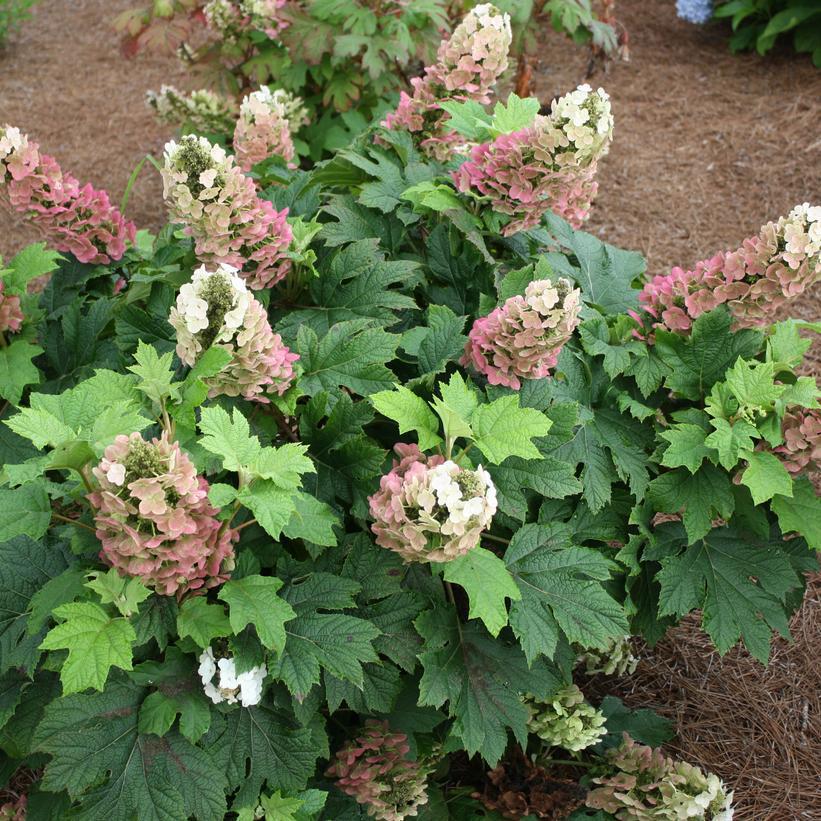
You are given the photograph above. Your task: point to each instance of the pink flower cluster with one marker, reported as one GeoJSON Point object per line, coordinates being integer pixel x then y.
{"type": "Point", "coordinates": [215, 309]}
{"type": "Point", "coordinates": [428, 509]}
{"type": "Point", "coordinates": [778, 264]}
{"type": "Point", "coordinates": [522, 339]}
{"type": "Point", "coordinates": [267, 119]}
{"type": "Point", "coordinates": [229, 18]}
{"type": "Point", "coordinates": [801, 451]}
{"type": "Point", "coordinates": [468, 65]}
{"type": "Point", "coordinates": [374, 770]}
{"type": "Point", "coordinates": [76, 219]}
{"type": "Point", "coordinates": [551, 165]}
{"type": "Point", "coordinates": [11, 317]}
{"type": "Point", "coordinates": [221, 210]}
{"type": "Point", "coordinates": [154, 519]}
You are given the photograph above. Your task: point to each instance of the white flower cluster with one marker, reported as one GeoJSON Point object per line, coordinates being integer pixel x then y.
{"type": "Point", "coordinates": [802, 230]}
{"type": "Point", "coordinates": [230, 687]}
{"type": "Point", "coordinates": [487, 16]}
{"type": "Point", "coordinates": [469, 497]}
{"type": "Point", "coordinates": [286, 106]}
{"type": "Point", "coordinates": [194, 165]}
{"type": "Point", "coordinates": [203, 110]}
{"type": "Point", "coordinates": [11, 140]}
{"type": "Point", "coordinates": [582, 122]}
{"type": "Point", "coordinates": [197, 297]}
{"type": "Point", "coordinates": [221, 15]}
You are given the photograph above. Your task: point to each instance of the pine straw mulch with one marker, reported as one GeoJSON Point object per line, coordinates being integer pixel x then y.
{"type": "Point", "coordinates": [708, 147]}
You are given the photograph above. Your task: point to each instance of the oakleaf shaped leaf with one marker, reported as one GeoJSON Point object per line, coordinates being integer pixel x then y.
{"type": "Point", "coordinates": [254, 600]}
{"type": "Point", "coordinates": [503, 429]}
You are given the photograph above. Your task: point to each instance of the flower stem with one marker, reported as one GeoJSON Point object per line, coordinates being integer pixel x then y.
{"type": "Point", "coordinates": [72, 521]}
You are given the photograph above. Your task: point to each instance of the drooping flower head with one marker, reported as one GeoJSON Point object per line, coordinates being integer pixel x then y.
{"type": "Point", "coordinates": [566, 721]}
{"type": "Point", "coordinates": [523, 338]}
{"type": "Point", "coordinates": [431, 510]}
{"type": "Point", "coordinates": [215, 308]}
{"type": "Point", "coordinates": [203, 110]}
{"type": "Point", "coordinates": [267, 120]}
{"type": "Point", "coordinates": [469, 64]}
{"type": "Point", "coordinates": [11, 316]}
{"type": "Point", "coordinates": [695, 11]}
{"type": "Point", "coordinates": [775, 266]}
{"type": "Point", "coordinates": [801, 451]}
{"type": "Point", "coordinates": [549, 166]}
{"type": "Point", "coordinates": [222, 683]}
{"type": "Point", "coordinates": [220, 209]}
{"type": "Point", "coordinates": [616, 659]}
{"type": "Point", "coordinates": [374, 769]}
{"type": "Point", "coordinates": [648, 785]}
{"type": "Point", "coordinates": [154, 519]}
{"type": "Point", "coordinates": [75, 219]}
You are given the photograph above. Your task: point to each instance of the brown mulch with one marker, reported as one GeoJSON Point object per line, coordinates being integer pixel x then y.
{"type": "Point", "coordinates": [708, 147]}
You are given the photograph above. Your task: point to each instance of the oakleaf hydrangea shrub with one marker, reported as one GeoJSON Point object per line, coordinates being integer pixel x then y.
{"type": "Point", "coordinates": [333, 600]}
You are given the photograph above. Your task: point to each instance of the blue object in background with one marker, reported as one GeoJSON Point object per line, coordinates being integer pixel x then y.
{"type": "Point", "coordinates": [694, 11]}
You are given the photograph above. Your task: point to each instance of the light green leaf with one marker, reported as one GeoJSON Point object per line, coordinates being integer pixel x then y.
{"type": "Point", "coordinates": [272, 507]}
{"type": "Point", "coordinates": [517, 114]}
{"type": "Point", "coordinates": [155, 374]}
{"type": "Point", "coordinates": [800, 512]}
{"type": "Point", "coordinates": [283, 465]}
{"type": "Point", "coordinates": [95, 643]}
{"type": "Point", "coordinates": [17, 371]}
{"type": "Point", "coordinates": [228, 437]}
{"type": "Point", "coordinates": [730, 440]}
{"type": "Point", "coordinates": [157, 714]}
{"type": "Point", "coordinates": [503, 429]}
{"type": "Point", "coordinates": [311, 520]}
{"type": "Point", "coordinates": [202, 621]}
{"type": "Point", "coordinates": [753, 384]}
{"type": "Point", "coordinates": [112, 588]}
{"type": "Point", "coordinates": [411, 412]}
{"type": "Point", "coordinates": [25, 510]}
{"type": "Point", "coordinates": [254, 600]}
{"type": "Point", "coordinates": [33, 261]}
{"type": "Point", "coordinates": [488, 584]}
{"type": "Point", "coordinates": [687, 448]}
{"type": "Point", "coordinates": [766, 476]}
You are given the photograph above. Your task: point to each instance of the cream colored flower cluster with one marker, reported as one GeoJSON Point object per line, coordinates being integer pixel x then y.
{"type": "Point", "coordinates": [566, 721]}
{"type": "Point", "coordinates": [220, 208]}
{"type": "Point", "coordinates": [203, 110]}
{"type": "Point", "coordinates": [222, 683]}
{"type": "Point", "coordinates": [216, 308]}
{"type": "Point", "coordinates": [267, 121]}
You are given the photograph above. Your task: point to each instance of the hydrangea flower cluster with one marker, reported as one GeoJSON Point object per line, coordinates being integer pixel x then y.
{"type": "Point", "coordinates": [76, 219]}
{"type": "Point", "coordinates": [154, 520]}
{"type": "Point", "coordinates": [695, 11]}
{"type": "Point", "coordinates": [11, 317]}
{"type": "Point", "coordinates": [220, 209]}
{"type": "Point", "coordinates": [522, 339]}
{"type": "Point", "coordinates": [203, 110]}
{"type": "Point", "coordinates": [215, 308]}
{"type": "Point", "coordinates": [649, 785]}
{"type": "Point", "coordinates": [777, 265]}
{"type": "Point", "coordinates": [551, 165]}
{"type": "Point", "coordinates": [267, 121]}
{"type": "Point", "coordinates": [232, 17]}
{"type": "Point", "coordinates": [616, 659]}
{"type": "Point", "coordinates": [801, 451]}
{"type": "Point", "coordinates": [222, 683]}
{"type": "Point", "coordinates": [566, 721]}
{"type": "Point", "coordinates": [468, 65]}
{"type": "Point", "coordinates": [375, 771]}
{"type": "Point", "coordinates": [428, 509]}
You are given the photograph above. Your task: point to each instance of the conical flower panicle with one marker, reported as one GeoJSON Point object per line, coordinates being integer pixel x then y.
{"type": "Point", "coordinates": [469, 63]}
{"type": "Point", "coordinates": [230, 18]}
{"type": "Point", "coordinates": [566, 721]}
{"type": "Point", "coordinates": [221, 682]}
{"type": "Point", "coordinates": [203, 110]}
{"type": "Point", "coordinates": [647, 786]}
{"type": "Point", "coordinates": [375, 771]}
{"type": "Point", "coordinates": [428, 509]}
{"type": "Point", "coordinates": [551, 165]}
{"type": "Point", "coordinates": [219, 206]}
{"type": "Point", "coordinates": [523, 338]}
{"type": "Point", "coordinates": [267, 119]}
{"type": "Point", "coordinates": [215, 308]}
{"type": "Point", "coordinates": [154, 519]}
{"type": "Point", "coordinates": [616, 660]}
{"type": "Point", "coordinates": [769, 269]}
{"type": "Point", "coordinates": [801, 451]}
{"type": "Point", "coordinates": [11, 316]}
{"type": "Point", "coordinates": [75, 219]}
